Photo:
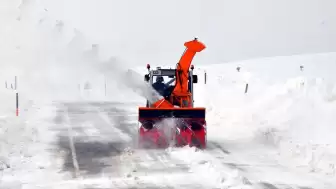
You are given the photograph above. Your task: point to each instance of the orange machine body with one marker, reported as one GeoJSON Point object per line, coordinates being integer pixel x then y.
{"type": "Point", "coordinates": [180, 94]}
{"type": "Point", "coordinates": [190, 124]}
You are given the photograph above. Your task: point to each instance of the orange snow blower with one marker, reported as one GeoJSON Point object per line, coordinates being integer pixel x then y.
{"type": "Point", "coordinates": [173, 119]}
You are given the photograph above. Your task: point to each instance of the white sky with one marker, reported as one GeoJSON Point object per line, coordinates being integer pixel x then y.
{"type": "Point", "coordinates": [149, 31]}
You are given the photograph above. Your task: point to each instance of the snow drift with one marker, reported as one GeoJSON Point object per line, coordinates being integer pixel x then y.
{"type": "Point", "coordinates": [285, 106]}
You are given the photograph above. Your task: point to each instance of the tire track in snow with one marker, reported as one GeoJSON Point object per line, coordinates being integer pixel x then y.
{"type": "Point", "coordinates": [72, 145]}
{"type": "Point", "coordinates": [92, 146]}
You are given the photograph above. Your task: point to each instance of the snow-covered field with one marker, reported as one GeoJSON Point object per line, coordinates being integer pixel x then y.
{"type": "Point", "coordinates": [78, 117]}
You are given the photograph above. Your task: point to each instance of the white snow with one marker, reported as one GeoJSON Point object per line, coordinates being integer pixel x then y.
{"type": "Point", "coordinates": [285, 108]}
{"type": "Point", "coordinates": [278, 134]}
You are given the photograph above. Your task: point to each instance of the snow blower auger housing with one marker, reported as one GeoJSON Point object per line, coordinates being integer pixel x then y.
{"type": "Point", "coordinates": [173, 119]}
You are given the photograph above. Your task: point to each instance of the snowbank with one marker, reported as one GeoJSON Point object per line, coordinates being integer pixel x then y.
{"type": "Point", "coordinates": [211, 170]}
{"type": "Point", "coordinates": [285, 107]}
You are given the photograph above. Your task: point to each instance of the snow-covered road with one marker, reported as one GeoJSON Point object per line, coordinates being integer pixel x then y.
{"type": "Point", "coordinates": [93, 145]}
{"type": "Point", "coordinates": [100, 143]}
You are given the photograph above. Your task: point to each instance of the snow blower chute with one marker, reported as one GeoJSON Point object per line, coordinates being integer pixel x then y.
{"type": "Point", "coordinates": [173, 119]}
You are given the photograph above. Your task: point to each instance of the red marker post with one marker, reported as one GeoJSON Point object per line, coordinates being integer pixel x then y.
{"type": "Point", "coordinates": [17, 97]}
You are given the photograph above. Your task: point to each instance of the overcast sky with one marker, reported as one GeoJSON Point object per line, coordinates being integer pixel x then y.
{"type": "Point", "coordinates": [154, 31]}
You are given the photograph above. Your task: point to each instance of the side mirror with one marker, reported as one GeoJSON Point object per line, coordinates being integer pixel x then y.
{"type": "Point", "coordinates": [147, 78]}
{"type": "Point", "coordinates": [195, 78]}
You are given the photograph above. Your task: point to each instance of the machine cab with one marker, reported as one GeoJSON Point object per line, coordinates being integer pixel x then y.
{"type": "Point", "coordinates": [163, 81]}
